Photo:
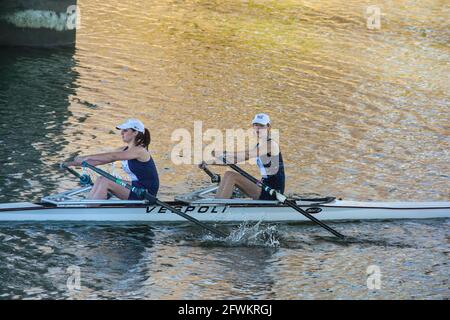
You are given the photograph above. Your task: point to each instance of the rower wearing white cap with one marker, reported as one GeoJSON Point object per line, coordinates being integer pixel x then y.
{"type": "Point", "coordinates": [269, 161]}
{"type": "Point", "coordinates": [136, 161]}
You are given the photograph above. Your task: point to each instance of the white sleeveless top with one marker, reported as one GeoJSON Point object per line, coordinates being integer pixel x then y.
{"type": "Point", "coordinates": [126, 168]}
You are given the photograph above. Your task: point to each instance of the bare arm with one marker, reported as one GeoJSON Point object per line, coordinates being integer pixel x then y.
{"type": "Point", "coordinates": [234, 157]}
{"type": "Point", "coordinates": [107, 157]}
{"type": "Point", "coordinates": [265, 148]}
{"type": "Point", "coordinates": [76, 163]}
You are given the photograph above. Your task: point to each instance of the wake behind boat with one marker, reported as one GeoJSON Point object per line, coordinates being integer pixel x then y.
{"type": "Point", "coordinates": [71, 205]}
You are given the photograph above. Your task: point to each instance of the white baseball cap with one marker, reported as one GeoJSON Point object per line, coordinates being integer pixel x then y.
{"type": "Point", "coordinates": [261, 118]}
{"type": "Point", "coordinates": [134, 124]}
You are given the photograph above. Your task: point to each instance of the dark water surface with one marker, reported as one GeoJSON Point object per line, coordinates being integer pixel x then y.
{"type": "Point", "coordinates": [363, 114]}
{"type": "Point", "coordinates": [256, 262]}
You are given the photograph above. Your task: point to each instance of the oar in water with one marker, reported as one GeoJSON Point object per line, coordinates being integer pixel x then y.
{"type": "Point", "coordinates": [151, 198]}
{"type": "Point", "coordinates": [283, 199]}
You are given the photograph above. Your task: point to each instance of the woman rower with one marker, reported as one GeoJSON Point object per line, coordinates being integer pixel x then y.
{"type": "Point", "coordinates": [136, 161]}
{"type": "Point", "coordinates": [269, 161]}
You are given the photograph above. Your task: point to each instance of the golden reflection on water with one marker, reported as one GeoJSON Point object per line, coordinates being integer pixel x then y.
{"type": "Point", "coordinates": [363, 114]}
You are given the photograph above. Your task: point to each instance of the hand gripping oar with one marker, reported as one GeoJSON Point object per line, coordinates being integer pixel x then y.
{"type": "Point", "coordinates": [151, 198]}
{"type": "Point", "coordinates": [283, 199]}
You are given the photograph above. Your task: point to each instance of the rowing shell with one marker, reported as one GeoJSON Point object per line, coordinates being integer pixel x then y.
{"type": "Point", "coordinates": [220, 211]}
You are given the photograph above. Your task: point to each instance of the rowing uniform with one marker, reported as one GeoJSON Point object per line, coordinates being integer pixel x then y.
{"type": "Point", "coordinates": [272, 172]}
{"type": "Point", "coordinates": [143, 175]}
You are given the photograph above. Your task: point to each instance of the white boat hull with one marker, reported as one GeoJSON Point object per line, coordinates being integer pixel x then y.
{"type": "Point", "coordinates": [235, 212]}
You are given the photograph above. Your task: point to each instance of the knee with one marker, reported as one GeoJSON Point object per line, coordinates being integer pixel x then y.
{"type": "Point", "coordinates": [229, 175]}
{"type": "Point", "coordinates": [101, 181]}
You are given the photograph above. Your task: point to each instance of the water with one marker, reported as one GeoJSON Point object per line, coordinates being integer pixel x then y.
{"type": "Point", "coordinates": [256, 262]}
{"type": "Point", "coordinates": [363, 115]}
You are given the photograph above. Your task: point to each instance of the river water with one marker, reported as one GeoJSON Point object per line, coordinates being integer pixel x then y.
{"type": "Point", "coordinates": [362, 114]}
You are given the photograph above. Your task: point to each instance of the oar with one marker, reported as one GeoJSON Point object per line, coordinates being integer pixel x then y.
{"type": "Point", "coordinates": [215, 178]}
{"type": "Point", "coordinates": [151, 198]}
{"type": "Point", "coordinates": [283, 199]}
{"type": "Point", "coordinates": [84, 178]}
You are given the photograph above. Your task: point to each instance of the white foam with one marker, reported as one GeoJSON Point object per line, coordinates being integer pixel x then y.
{"type": "Point", "coordinates": [255, 235]}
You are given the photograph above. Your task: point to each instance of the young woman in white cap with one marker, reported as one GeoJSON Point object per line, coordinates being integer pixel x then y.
{"type": "Point", "coordinates": [136, 161]}
{"type": "Point", "coordinates": [268, 159]}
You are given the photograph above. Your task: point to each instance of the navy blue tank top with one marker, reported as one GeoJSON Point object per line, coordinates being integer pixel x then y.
{"type": "Point", "coordinates": [142, 174]}
{"type": "Point", "coordinates": [272, 172]}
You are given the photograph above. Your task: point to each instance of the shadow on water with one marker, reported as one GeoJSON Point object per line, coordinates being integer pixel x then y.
{"type": "Point", "coordinates": [45, 252]}
{"type": "Point", "coordinates": [294, 236]}
{"type": "Point", "coordinates": [35, 85]}
{"type": "Point", "coordinates": [362, 240]}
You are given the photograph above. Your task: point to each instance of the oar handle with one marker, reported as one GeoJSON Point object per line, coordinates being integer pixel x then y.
{"type": "Point", "coordinates": [84, 178]}
{"type": "Point", "coordinates": [152, 198]}
{"type": "Point", "coordinates": [215, 178]}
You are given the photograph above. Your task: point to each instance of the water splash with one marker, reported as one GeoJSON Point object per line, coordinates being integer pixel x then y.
{"type": "Point", "coordinates": [249, 235]}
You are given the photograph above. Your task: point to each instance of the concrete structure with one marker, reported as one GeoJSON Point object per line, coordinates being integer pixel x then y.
{"type": "Point", "coordinates": [38, 23]}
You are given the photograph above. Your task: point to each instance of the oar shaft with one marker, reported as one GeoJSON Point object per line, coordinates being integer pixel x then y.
{"type": "Point", "coordinates": [290, 203]}
{"type": "Point", "coordinates": [84, 179]}
{"type": "Point", "coordinates": [152, 198]}
{"type": "Point", "coordinates": [293, 205]}
{"type": "Point", "coordinates": [76, 174]}
{"type": "Point", "coordinates": [215, 178]}
{"type": "Point", "coordinates": [248, 176]}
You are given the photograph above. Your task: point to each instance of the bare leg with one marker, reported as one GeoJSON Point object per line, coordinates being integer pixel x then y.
{"type": "Point", "coordinates": [100, 189]}
{"type": "Point", "coordinates": [95, 188]}
{"type": "Point", "coordinates": [102, 186]}
{"type": "Point", "coordinates": [232, 179]}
